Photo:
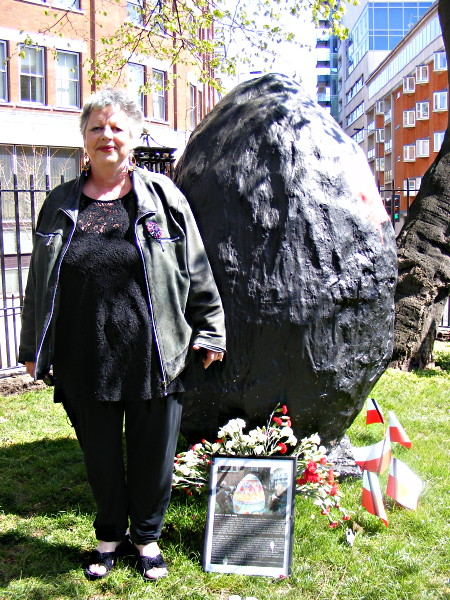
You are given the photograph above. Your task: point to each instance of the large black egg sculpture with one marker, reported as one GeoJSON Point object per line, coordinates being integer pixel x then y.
{"type": "Point", "coordinates": [304, 257]}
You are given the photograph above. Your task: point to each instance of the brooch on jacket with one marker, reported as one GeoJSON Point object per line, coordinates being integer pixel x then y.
{"type": "Point", "coordinates": [155, 231]}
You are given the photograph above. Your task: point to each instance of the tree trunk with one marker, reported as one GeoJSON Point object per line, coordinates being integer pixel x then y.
{"type": "Point", "coordinates": [424, 254]}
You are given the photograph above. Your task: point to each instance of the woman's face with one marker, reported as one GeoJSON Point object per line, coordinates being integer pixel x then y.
{"type": "Point", "coordinates": [107, 138]}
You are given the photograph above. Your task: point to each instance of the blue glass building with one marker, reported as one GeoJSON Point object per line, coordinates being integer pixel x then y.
{"type": "Point", "coordinates": [381, 26]}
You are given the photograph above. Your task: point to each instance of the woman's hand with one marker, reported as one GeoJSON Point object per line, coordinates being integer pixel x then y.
{"type": "Point", "coordinates": [31, 368]}
{"type": "Point", "coordinates": [211, 356]}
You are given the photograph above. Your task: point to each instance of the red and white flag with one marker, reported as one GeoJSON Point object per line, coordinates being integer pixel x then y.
{"type": "Point", "coordinates": [403, 485]}
{"type": "Point", "coordinates": [372, 498]}
{"type": "Point", "coordinates": [374, 414]}
{"type": "Point", "coordinates": [396, 431]}
{"type": "Point", "coordinates": [374, 458]}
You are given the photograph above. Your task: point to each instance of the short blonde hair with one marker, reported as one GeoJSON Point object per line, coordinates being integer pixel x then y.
{"type": "Point", "coordinates": [112, 97]}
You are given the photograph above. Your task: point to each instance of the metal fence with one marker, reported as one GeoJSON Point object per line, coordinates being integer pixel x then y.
{"type": "Point", "coordinates": [19, 207]}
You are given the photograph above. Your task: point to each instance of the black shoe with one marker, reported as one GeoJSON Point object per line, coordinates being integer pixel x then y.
{"type": "Point", "coordinates": [147, 563]}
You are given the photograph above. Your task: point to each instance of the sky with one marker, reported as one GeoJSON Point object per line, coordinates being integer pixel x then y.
{"type": "Point", "coordinates": [295, 60]}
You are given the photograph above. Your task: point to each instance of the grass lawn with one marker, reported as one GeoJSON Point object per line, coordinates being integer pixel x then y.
{"type": "Point", "coordinates": [46, 515]}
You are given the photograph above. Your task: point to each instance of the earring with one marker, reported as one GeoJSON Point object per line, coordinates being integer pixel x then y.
{"type": "Point", "coordinates": [131, 162]}
{"type": "Point", "coordinates": [86, 162]}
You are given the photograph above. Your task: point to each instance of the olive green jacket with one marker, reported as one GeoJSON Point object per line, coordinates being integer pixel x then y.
{"type": "Point", "coordinates": [182, 296]}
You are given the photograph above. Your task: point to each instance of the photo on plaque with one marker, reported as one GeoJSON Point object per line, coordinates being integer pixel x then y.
{"type": "Point", "coordinates": [250, 522]}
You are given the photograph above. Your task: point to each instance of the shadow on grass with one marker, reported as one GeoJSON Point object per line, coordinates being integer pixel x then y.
{"type": "Point", "coordinates": [23, 556]}
{"type": "Point", "coordinates": [43, 477]}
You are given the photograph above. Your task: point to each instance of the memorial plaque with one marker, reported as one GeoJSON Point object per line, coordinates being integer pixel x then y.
{"type": "Point", "coordinates": [250, 522]}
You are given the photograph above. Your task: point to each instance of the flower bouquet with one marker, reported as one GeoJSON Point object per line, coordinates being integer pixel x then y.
{"type": "Point", "coordinates": [315, 475]}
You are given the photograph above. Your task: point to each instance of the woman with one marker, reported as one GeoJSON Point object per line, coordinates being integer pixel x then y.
{"type": "Point", "coordinates": [119, 292]}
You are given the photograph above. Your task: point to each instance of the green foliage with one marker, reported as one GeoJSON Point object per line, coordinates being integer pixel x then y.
{"type": "Point", "coordinates": [47, 512]}
{"type": "Point", "coordinates": [180, 32]}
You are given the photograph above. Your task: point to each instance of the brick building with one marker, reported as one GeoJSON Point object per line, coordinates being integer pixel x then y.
{"type": "Point", "coordinates": [407, 113]}
{"type": "Point", "coordinates": [45, 49]}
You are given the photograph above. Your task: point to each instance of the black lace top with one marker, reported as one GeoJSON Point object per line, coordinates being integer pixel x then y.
{"type": "Point", "coordinates": [104, 347]}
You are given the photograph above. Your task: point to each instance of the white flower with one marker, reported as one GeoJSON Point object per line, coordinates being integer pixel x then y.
{"type": "Point", "coordinates": [288, 433]}
{"type": "Point", "coordinates": [258, 449]}
{"type": "Point", "coordinates": [232, 427]}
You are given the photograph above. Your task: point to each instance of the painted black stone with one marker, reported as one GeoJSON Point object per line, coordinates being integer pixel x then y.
{"type": "Point", "coordinates": [304, 256]}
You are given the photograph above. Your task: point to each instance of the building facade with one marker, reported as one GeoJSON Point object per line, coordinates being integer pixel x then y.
{"type": "Point", "coordinates": [406, 113]}
{"type": "Point", "coordinates": [375, 28]}
{"type": "Point", "coordinates": [46, 49]}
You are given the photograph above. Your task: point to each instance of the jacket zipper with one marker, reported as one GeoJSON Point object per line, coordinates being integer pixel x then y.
{"type": "Point", "coordinates": [52, 306]}
{"type": "Point", "coordinates": [150, 306]}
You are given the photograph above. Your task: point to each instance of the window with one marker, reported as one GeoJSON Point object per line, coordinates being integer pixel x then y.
{"type": "Point", "coordinates": [358, 137]}
{"type": "Point", "coordinates": [3, 72]}
{"type": "Point", "coordinates": [379, 135]}
{"type": "Point", "coordinates": [136, 81]}
{"type": "Point", "coordinates": [67, 79]}
{"type": "Point", "coordinates": [359, 110]}
{"type": "Point", "coordinates": [159, 95]}
{"type": "Point", "coordinates": [438, 139]}
{"type": "Point", "coordinates": [409, 85]}
{"type": "Point", "coordinates": [409, 118]}
{"type": "Point", "coordinates": [440, 61]}
{"type": "Point", "coordinates": [440, 101]}
{"type": "Point", "coordinates": [379, 107]}
{"type": "Point", "coordinates": [411, 186]}
{"type": "Point", "coordinates": [409, 153]}
{"type": "Point", "coordinates": [422, 74]}
{"type": "Point", "coordinates": [135, 11]}
{"type": "Point", "coordinates": [32, 78]}
{"type": "Point", "coordinates": [422, 148]}
{"type": "Point", "coordinates": [68, 4]}
{"type": "Point", "coordinates": [422, 111]}
{"type": "Point", "coordinates": [379, 164]}
{"type": "Point", "coordinates": [193, 105]}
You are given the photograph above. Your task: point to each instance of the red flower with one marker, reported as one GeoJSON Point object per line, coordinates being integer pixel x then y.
{"type": "Point", "coordinates": [346, 517]}
{"type": "Point", "coordinates": [219, 441]}
{"type": "Point", "coordinates": [311, 466]}
{"type": "Point", "coordinates": [333, 524]}
{"type": "Point", "coordinates": [323, 460]}
{"type": "Point", "coordinates": [334, 490]}
{"type": "Point", "coordinates": [288, 423]}
{"type": "Point", "coordinates": [278, 421]}
{"type": "Point", "coordinates": [284, 409]}
{"type": "Point", "coordinates": [301, 481]}
{"type": "Point", "coordinates": [282, 447]}
{"type": "Point", "coordinates": [330, 478]}
{"type": "Point", "coordinates": [311, 476]}
{"type": "Point", "coordinates": [203, 441]}
{"type": "Point", "coordinates": [325, 511]}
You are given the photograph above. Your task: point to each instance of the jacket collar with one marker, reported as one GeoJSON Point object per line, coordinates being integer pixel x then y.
{"type": "Point", "coordinates": [70, 203]}
{"type": "Point", "coordinates": [145, 194]}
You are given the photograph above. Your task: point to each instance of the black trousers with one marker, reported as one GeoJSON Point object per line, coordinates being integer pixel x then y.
{"type": "Point", "coordinates": [131, 491]}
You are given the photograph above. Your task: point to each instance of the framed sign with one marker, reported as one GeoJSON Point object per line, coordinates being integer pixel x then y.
{"type": "Point", "coordinates": [250, 522]}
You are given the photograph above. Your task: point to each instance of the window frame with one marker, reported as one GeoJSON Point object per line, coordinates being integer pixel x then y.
{"type": "Point", "coordinates": [422, 110]}
{"type": "Point", "coordinates": [135, 13]}
{"type": "Point", "coordinates": [437, 59]}
{"type": "Point", "coordinates": [138, 96]}
{"type": "Point", "coordinates": [438, 135]}
{"type": "Point", "coordinates": [409, 153]}
{"type": "Point", "coordinates": [407, 114]}
{"type": "Point", "coordinates": [4, 71]}
{"type": "Point", "coordinates": [409, 84]}
{"type": "Point", "coordinates": [76, 81]}
{"type": "Point", "coordinates": [159, 96]}
{"type": "Point", "coordinates": [422, 74]}
{"type": "Point", "coordinates": [440, 94]}
{"type": "Point", "coordinates": [193, 100]}
{"type": "Point", "coordinates": [423, 148]}
{"type": "Point", "coordinates": [41, 77]}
